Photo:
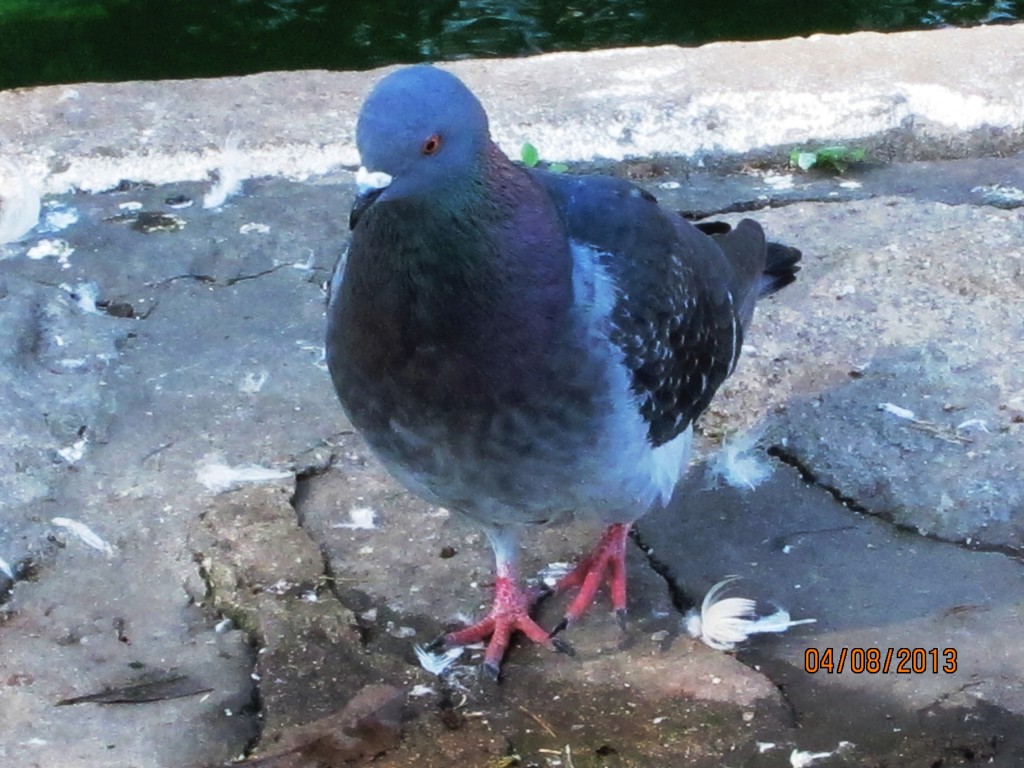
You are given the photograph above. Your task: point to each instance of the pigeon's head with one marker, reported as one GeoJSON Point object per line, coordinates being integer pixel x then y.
{"type": "Point", "coordinates": [419, 131]}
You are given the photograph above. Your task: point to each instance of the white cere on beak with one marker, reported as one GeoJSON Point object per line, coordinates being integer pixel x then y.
{"type": "Point", "coordinates": [367, 181]}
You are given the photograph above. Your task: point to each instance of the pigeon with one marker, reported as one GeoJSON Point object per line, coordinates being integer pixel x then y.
{"type": "Point", "coordinates": [526, 347]}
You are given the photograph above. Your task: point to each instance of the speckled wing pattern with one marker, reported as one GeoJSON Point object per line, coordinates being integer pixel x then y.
{"type": "Point", "coordinates": [676, 320]}
{"type": "Point", "coordinates": [679, 348]}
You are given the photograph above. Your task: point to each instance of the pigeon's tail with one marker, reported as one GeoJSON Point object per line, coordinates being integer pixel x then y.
{"type": "Point", "coordinates": [780, 267]}
{"type": "Point", "coordinates": [743, 245]}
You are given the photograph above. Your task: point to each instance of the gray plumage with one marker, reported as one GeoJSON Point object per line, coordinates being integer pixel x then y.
{"type": "Point", "coordinates": [522, 346]}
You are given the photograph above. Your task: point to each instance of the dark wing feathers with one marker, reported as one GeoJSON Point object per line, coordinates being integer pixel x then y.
{"type": "Point", "coordinates": [685, 293]}
{"type": "Point", "coordinates": [763, 268]}
{"type": "Point", "coordinates": [781, 266]}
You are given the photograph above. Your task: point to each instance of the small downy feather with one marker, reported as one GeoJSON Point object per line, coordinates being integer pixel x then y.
{"type": "Point", "coordinates": [85, 534]}
{"type": "Point", "coordinates": [232, 170]}
{"type": "Point", "coordinates": [218, 476]}
{"type": "Point", "coordinates": [437, 663]}
{"type": "Point", "coordinates": [724, 623]}
{"type": "Point", "coordinates": [19, 203]}
{"type": "Point", "coordinates": [359, 518]}
{"type": "Point", "coordinates": [737, 462]}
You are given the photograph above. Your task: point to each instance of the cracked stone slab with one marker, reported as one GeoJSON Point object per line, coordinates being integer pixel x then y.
{"type": "Point", "coordinates": [183, 384]}
{"type": "Point", "coordinates": [411, 571]}
{"type": "Point", "coordinates": [265, 574]}
{"type": "Point", "coordinates": [218, 364]}
{"type": "Point", "coordinates": [214, 246]}
{"type": "Point", "coordinates": [54, 356]}
{"type": "Point", "coordinates": [870, 586]}
{"type": "Point", "coordinates": [912, 408]}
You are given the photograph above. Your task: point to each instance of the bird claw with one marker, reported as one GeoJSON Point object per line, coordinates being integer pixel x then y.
{"type": "Point", "coordinates": [563, 646]}
{"type": "Point", "coordinates": [437, 643]}
{"type": "Point", "coordinates": [491, 671]}
{"type": "Point", "coordinates": [541, 592]}
{"type": "Point", "coordinates": [559, 627]}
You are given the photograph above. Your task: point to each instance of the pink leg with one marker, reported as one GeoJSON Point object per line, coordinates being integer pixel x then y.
{"type": "Point", "coordinates": [509, 613]}
{"type": "Point", "coordinates": [606, 562]}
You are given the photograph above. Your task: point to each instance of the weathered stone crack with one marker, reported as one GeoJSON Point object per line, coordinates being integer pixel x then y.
{"type": "Point", "coordinates": [761, 204]}
{"type": "Point", "coordinates": [781, 201]}
{"type": "Point", "coordinates": [255, 275]}
{"type": "Point", "coordinates": [810, 477]}
{"type": "Point", "coordinates": [215, 281]}
{"type": "Point", "coordinates": [175, 278]}
{"type": "Point", "coordinates": [254, 709]}
{"type": "Point", "coordinates": [313, 464]}
{"type": "Point", "coordinates": [680, 600]}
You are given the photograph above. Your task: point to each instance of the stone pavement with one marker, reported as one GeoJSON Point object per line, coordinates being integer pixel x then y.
{"type": "Point", "coordinates": [255, 584]}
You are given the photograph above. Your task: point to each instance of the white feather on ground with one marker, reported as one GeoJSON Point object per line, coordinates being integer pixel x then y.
{"type": "Point", "coordinates": [19, 204]}
{"type": "Point", "coordinates": [85, 534]}
{"type": "Point", "coordinates": [360, 518]}
{"type": "Point", "coordinates": [437, 663]}
{"type": "Point", "coordinates": [724, 623]}
{"type": "Point", "coordinates": [898, 411]}
{"type": "Point", "coordinates": [218, 476]}
{"type": "Point", "coordinates": [231, 172]}
{"type": "Point", "coordinates": [739, 463]}
{"type": "Point", "coordinates": [73, 453]}
{"type": "Point", "coordinates": [800, 758]}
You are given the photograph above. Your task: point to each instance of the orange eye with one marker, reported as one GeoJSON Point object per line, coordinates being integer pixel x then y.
{"type": "Point", "coordinates": [431, 145]}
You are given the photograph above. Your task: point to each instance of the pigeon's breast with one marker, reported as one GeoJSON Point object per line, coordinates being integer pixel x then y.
{"type": "Point", "coordinates": [525, 436]}
{"type": "Point", "coordinates": [505, 448]}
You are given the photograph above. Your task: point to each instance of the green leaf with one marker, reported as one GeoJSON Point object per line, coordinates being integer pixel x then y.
{"type": "Point", "coordinates": [804, 160]}
{"type": "Point", "coordinates": [558, 167]}
{"type": "Point", "coordinates": [836, 158]}
{"type": "Point", "coordinates": [836, 154]}
{"type": "Point", "coordinates": [530, 155]}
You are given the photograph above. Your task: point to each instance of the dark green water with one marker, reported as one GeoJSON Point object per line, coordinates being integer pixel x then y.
{"type": "Point", "coordinates": [63, 41]}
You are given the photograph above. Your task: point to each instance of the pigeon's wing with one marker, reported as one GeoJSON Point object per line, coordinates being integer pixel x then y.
{"type": "Point", "coordinates": [683, 296]}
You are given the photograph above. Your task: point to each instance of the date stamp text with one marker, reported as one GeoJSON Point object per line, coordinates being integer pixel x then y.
{"type": "Point", "coordinates": [874, 661]}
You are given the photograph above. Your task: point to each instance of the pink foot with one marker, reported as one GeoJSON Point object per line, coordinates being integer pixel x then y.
{"type": "Point", "coordinates": [606, 562]}
{"type": "Point", "coordinates": [510, 613]}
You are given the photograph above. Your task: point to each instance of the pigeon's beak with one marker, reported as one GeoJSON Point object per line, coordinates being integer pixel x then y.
{"type": "Point", "coordinates": [369, 186]}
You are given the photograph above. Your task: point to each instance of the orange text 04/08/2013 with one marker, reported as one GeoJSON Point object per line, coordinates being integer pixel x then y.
{"type": "Point", "coordinates": [902, 661]}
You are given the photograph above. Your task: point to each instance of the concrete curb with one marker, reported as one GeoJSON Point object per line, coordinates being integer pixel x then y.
{"type": "Point", "coordinates": [940, 87]}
